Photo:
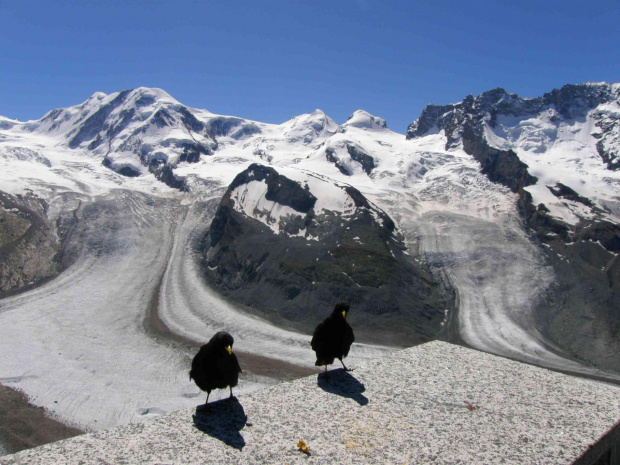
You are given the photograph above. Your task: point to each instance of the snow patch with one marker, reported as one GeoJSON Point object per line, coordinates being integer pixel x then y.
{"type": "Point", "coordinates": [250, 199]}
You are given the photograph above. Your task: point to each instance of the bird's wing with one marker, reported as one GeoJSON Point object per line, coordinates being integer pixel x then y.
{"type": "Point", "coordinates": [236, 363]}
{"type": "Point", "coordinates": [347, 339]}
{"type": "Point", "coordinates": [203, 368]}
{"type": "Point", "coordinates": [199, 361]}
{"type": "Point", "coordinates": [318, 338]}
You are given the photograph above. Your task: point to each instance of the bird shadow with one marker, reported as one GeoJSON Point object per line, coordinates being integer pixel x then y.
{"type": "Point", "coordinates": [222, 420]}
{"type": "Point", "coordinates": [343, 384]}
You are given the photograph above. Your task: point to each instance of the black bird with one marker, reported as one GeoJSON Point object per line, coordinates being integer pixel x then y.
{"type": "Point", "coordinates": [333, 337]}
{"type": "Point", "coordinates": [215, 366]}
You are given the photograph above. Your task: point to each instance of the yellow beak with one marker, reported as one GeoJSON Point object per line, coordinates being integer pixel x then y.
{"type": "Point", "coordinates": [344, 314]}
{"type": "Point", "coordinates": [229, 350]}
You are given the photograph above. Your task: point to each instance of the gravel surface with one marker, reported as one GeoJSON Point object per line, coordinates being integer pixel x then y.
{"type": "Point", "coordinates": [434, 403]}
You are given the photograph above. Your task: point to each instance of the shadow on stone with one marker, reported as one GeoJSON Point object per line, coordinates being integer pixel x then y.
{"type": "Point", "coordinates": [222, 420]}
{"type": "Point", "coordinates": [343, 384]}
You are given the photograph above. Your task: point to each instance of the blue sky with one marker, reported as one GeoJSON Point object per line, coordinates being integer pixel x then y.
{"type": "Point", "coordinates": [272, 60]}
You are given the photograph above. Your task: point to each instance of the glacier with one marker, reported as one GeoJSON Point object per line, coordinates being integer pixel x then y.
{"type": "Point", "coordinates": [136, 178]}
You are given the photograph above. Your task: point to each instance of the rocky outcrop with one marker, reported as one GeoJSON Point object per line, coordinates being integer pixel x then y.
{"type": "Point", "coordinates": [500, 166]}
{"type": "Point", "coordinates": [28, 243]}
{"type": "Point", "coordinates": [346, 164]}
{"type": "Point", "coordinates": [318, 257]}
{"type": "Point", "coordinates": [608, 137]}
{"type": "Point", "coordinates": [330, 156]}
{"type": "Point", "coordinates": [564, 192]}
{"type": "Point", "coordinates": [367, 162]}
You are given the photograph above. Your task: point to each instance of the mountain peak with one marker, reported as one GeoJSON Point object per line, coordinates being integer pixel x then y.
{"type": "Point", "coordinates": [98, 96]}
{"type": "Point", "coordinates": [152, 94]}
{"type": "Point", "coordinates": [364, 120]}
{"type": "Point", "coordinates": [310, 126]}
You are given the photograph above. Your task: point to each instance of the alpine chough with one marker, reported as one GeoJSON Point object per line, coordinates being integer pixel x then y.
{"type": "Point", "coordinates": [215, 366]}
{"type": "Point", "coordinates": [333, 337]}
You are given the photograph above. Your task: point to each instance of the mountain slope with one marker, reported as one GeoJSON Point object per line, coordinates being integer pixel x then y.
{"type": "Point", "coordinates": [560, 154]}
{"type": "Point", "coordinates": [287, 243]}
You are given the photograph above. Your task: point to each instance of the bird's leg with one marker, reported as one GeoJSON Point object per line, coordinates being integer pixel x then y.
{"type": "Point", "coordinates": [344, 366]}
{"type": "Point", "coordinates": [231, 394]}
{"type": "Point", "coordinates": [203, 407]}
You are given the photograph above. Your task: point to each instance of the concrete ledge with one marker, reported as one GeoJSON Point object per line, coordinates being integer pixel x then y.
{"type": "Point", "coordinates": [434, 403]}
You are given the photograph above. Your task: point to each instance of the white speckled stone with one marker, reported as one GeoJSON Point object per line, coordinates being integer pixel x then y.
{"type": "Point", "coordinates": [409, 407]}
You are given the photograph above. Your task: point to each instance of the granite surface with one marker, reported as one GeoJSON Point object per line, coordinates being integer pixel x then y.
{"type": "Point", "coordinates": [435, 403]}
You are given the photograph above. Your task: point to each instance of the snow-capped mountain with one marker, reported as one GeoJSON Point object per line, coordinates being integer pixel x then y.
{"type": "Point", "coordinates": [493, 222]}
{"type": "Point", "coordinates": [567, 137]}
{"type": "Point", "coordinates": [560, 153]}
{"type": "Point", "coordinates": [132, 130]}
{"type": "Point", "coordinates": [287, 242]}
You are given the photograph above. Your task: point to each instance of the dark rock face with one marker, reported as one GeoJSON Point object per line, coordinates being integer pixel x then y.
{"type": "Point", "coordinates": [293, 280]}
{"type": "Point", "coordinates": [574, 100]}
{"type": "Point", "coordinates": [165, 173]}
{"type": "Point", "coordinates": [128, 171]}
{"type": "Point", "coordinates": [367, 162]}
{"type": "Point", "coordinates": [280, 189]}
{"type": "Point", "coordinates": [28, 243]}
{"type": "Point", "coordinates": [330, 155]}
{"type": "Point", "coordinates": [500, 166]}
{"type": "Point", "coordinates": [565, 192]}
{"type": "Point", "coordinates": [358, 155]}
{"type": "Point", "coordinates": [581, 311]}
{"type": "Point", "coordinates": [608, 138]}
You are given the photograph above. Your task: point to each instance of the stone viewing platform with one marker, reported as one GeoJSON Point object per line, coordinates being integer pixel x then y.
{"type": "Point", "coordinates": [435, 403]}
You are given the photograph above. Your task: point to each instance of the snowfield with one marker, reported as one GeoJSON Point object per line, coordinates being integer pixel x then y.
{"type": "Point", "coordinates": [82, 344]}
